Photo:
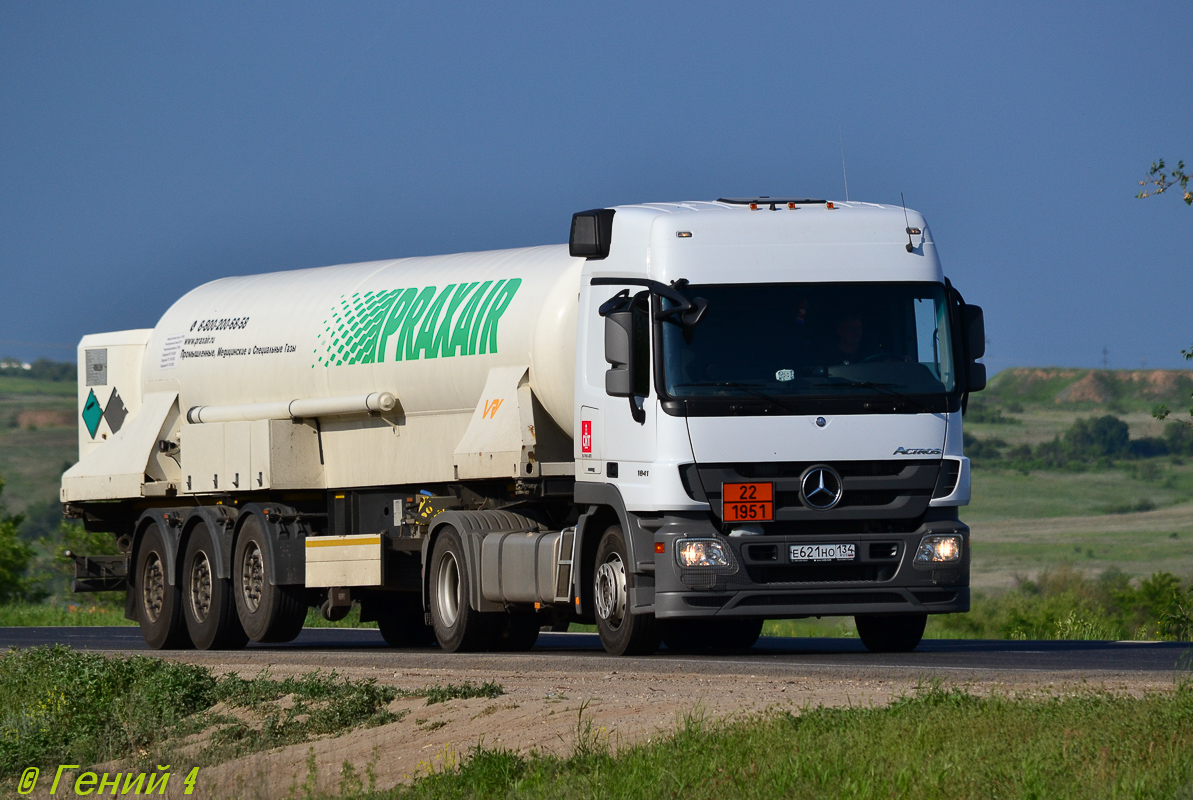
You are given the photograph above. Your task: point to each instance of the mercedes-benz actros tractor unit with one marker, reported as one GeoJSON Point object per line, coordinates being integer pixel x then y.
{"type": "Point", "coordinates": [694, 417]}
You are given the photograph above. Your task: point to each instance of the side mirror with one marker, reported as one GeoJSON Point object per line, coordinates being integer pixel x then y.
{"type": "Point", "coordinates": [619, 352]}
{"type": "Point", "coordinates": [974, 326]}
{"type": "Point", "coordinates": [976, 377]}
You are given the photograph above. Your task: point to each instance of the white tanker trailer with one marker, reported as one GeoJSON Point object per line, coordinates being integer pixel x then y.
{"type": "Point", "coordinates": [694, 417]}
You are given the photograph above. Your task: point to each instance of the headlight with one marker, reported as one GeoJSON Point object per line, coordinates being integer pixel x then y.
{"type": "Point", "coordinates": [701, 553]}
{"type": "Point", "coordinates": [939, 548]}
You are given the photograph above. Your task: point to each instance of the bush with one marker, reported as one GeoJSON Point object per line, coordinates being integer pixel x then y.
{"type": "Point", "coordinates": [1066, 604]}
{"type": "Point", "coordinates": [15, 557]}
{"type": "Point", "coordinates": [1094, 438]}
{"type": "Point", "coordinates": [61, 706]}
{"type": "Point", "coordinates": [1178, 438]}
{"type": "Point", "coordinates": [982, 449]}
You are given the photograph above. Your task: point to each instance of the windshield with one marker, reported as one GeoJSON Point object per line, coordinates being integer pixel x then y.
{"type": "Point", "coordinates": [811, 340]}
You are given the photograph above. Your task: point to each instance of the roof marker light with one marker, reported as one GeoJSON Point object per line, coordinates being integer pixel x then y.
{"type": "Point", "coordinates": [829, 206]}
{"type": "Point", "coordinates": [753, 206]}
{"type": "Point", "coordinates": [683, 234]}
{"type": "Point", "coordinates": [791, 205]}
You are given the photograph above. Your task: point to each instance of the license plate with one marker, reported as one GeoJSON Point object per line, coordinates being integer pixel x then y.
{"type": "Point", "coordinates": [823, 552]}
{"type": "Point", "coordinates": [749, 502]}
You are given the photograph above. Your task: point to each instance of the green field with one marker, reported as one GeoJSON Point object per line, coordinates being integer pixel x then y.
{"type": "Point", "coordinates": [33, 456]}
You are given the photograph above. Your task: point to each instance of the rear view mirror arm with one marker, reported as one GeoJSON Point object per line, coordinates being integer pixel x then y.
{"type": "Point", "coordinates": [690, 312]}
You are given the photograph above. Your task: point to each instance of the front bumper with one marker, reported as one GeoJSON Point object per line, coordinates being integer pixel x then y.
{"type": "Point", "coordinates": [764, 582]}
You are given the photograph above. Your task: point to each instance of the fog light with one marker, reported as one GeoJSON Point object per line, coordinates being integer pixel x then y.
{"type": "Point", "coordinates": [701, 553]}
{"type": "Point", "coordinates": [939, 548]}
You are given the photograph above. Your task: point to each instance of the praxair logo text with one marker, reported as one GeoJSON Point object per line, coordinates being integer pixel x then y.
{"type": "Point", "coordinates": [410, 324]}
{"type": "Point", "coordinates": [917, 451]}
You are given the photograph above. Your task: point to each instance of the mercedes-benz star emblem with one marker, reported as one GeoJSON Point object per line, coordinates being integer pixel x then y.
{"type": "Point", "coordinates": [820, 488]}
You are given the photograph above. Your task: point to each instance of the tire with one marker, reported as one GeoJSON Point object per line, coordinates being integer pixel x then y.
{"type": "Point", "coordinates": [622, 633]}
{"type": "Point", "coordinates": [208, 607]}
{"type": "Point", "coordinates": [158, 604]}
{"type": "Point", "coordinates": [400, 620]}
{"type": "Point", "coordinates": [458, 627]}
{"type": "Point", "coordinates": [892, 633]}
{"type": "Point", "coordinates": [518, 631]}
{"type": "Point", "coordinates": [268, 612]}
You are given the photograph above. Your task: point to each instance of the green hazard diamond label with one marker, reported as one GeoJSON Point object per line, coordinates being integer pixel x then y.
{"type": "Point", "coordinates": [93, 412]}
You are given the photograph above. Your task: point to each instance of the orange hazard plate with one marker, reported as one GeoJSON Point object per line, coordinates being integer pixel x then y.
{"type": "Point", "coordinates": [749, 502]}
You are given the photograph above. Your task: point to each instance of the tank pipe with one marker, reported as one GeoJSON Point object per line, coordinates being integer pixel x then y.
{"type": "Point", "coordinates": [294, 409]}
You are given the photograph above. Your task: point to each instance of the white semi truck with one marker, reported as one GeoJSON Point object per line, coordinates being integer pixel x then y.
{"type": "Point", "coordinates": [694, 417]}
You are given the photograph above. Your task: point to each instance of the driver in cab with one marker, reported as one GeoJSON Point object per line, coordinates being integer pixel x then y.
{"type": "Point", "coordinates": [849, 330]}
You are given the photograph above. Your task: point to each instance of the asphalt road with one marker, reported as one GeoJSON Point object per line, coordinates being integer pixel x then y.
{"type": "Point", "coordinates": [327, 646]}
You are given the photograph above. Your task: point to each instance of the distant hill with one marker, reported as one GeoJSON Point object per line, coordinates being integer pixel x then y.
{"type": "Point", "coordinates": [1121, 390]}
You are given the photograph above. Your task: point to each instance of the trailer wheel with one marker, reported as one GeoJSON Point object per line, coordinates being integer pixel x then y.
{"type": "Point", "coordinates": [207, 603]}
{"type": "Point", "coordinates": [268, 612]}
{"type": "Point", "coordinates": [622, 633]}
{"type": "Point", "coordinates": [400, 620]}
{"type": "Point", "coordinates": [458, 627]}
{"type": "Point", "coordinates": [518, 631]}
{"type": "Point", "coordinates": [158, 604]}
{"type": "Point", "coordinates": [891, 633]}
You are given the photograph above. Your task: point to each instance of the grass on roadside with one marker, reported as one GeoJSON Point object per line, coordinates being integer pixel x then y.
{"type": "Point", "coordinates": [25, 615]}
{"type": "Point", "coordinates": [937, 743]}
{"type": "Point", "coordinates": [58, 706]}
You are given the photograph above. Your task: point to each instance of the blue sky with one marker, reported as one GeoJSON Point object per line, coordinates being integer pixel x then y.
{"type": "Point", "coordinates": [149, 147]}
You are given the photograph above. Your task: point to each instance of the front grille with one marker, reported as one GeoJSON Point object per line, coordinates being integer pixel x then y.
{"type": "Point", "coordinates": [848, 499]}
{"type": "Point", "coordinates": [822, 573]}
{"type": "Point", "coordinates": [834, 599]}
{"type": "Point", "coordinates": [882, 489]}
{"type": "Point", "coordinates": [758, 470]}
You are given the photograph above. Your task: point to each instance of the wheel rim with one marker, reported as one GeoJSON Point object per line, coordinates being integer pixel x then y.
{"type": "Point", "coordinates": [447, 590]}
{"type": "Point", "coordinates": [201, 587]}
{"type": "Point", "coordinates": [252, 577]}
{"type": "Point", "coordinates": [610, 591]}
{"type": "Point", "coordinates": [153, 587]}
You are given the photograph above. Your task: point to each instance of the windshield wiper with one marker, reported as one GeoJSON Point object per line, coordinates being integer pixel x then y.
{"type": "Point", "coordinates": [749, 389]}
{"type": "Point", "coordinates": [881, 388]}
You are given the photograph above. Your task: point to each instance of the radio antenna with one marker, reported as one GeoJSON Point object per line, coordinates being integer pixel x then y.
{"type": "Point", "coordinates": [844, 174]}
{"type": "Point", "coordinates": [907, 222]}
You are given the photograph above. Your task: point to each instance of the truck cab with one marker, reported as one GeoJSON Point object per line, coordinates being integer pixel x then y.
{"type": "Point", "coordinates": [769, 395]}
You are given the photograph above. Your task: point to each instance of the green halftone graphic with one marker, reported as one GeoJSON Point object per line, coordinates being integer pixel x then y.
{"type": "Point", "coordinates": [350, 333]}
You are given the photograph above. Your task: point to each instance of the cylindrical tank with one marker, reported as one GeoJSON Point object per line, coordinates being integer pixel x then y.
{"type": "Point", "coordinates": [426, 330]}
